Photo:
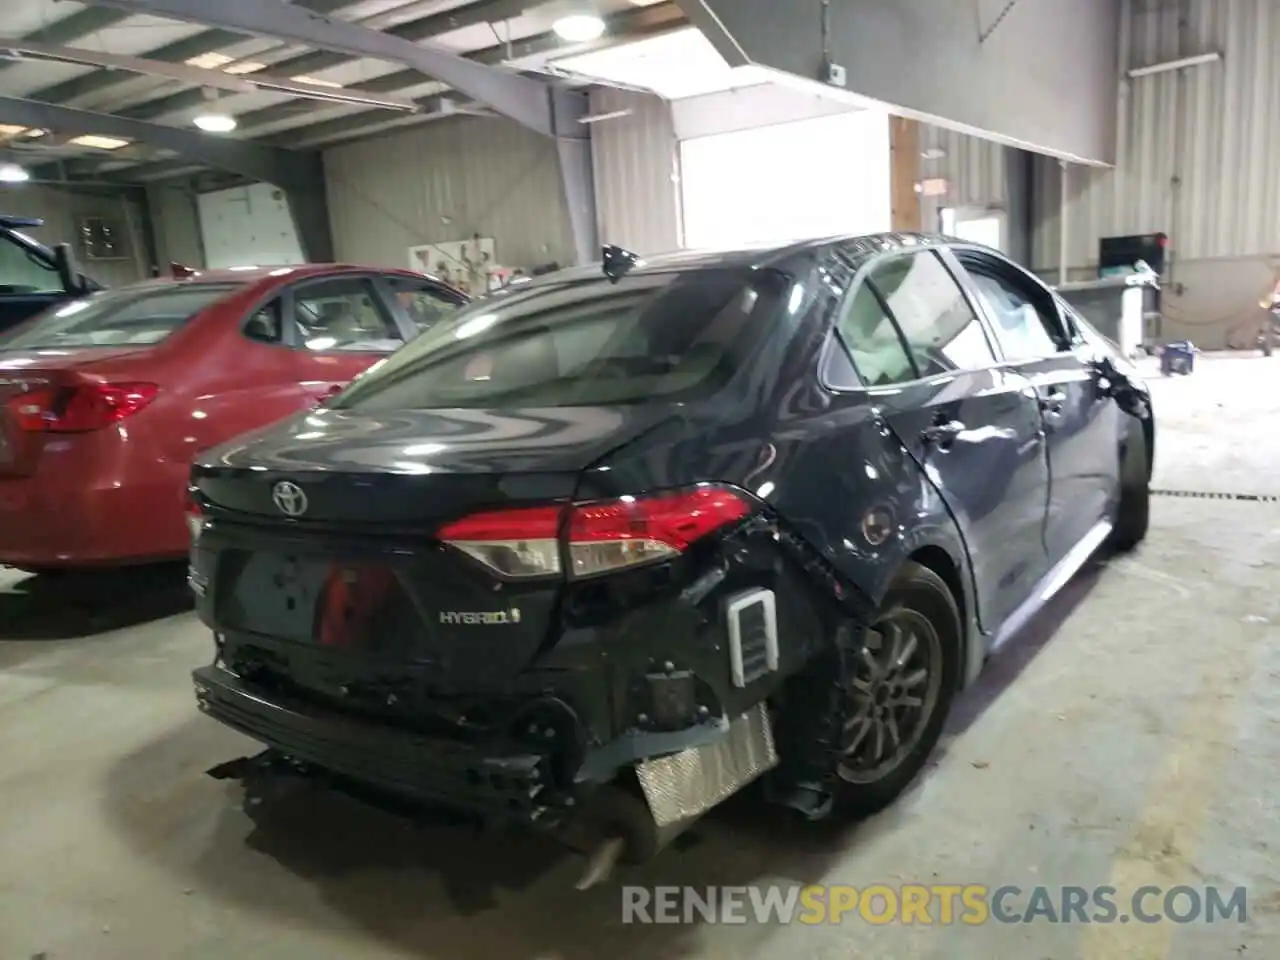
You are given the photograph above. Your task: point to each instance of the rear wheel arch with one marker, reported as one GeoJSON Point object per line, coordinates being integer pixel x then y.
{"type": "Point", "coordinates": [940, 562]}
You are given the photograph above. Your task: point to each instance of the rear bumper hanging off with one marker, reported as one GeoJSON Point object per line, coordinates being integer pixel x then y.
{"type": "Point", "coordinates": [497, 779]}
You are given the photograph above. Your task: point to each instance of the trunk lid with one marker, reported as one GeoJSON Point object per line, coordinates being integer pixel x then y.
{"type": "Point", "coordinates": [356, 593]}
{"type": "Point", "coordinates": [415, 469]}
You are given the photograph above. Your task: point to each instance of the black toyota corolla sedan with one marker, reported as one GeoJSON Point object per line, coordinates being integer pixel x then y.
{"type": "Point", "coordinates": [610, 545]}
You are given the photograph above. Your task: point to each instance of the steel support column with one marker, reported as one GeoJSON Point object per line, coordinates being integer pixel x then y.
{"type": "Point", "coordinates": [511, 94]}
{"type": "Point", "coordinates": [577, 172]}
{"type": "Point", "coordinates": [309, 206]}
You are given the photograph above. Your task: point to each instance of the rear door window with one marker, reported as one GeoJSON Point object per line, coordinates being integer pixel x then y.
{"type": "Point", "coordinates": [663, 336]}
{"type": "Point", "coordinates": [940, 328]}
{"type": "Point", "coordinates": [125, 317]}
{"type": "Point", "coordinates": [343, 314]}
{"type": "Point", "coordinates": [1020, 312]}
{"type": "Point", "coordinates": [423, 302]}
{"type": "Point", "coordinates": [872, 340]}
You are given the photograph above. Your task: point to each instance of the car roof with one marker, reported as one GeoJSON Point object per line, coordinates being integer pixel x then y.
{"type": "Point", "coordinates": [252, 274]}
{"type": "Point", "coordinates": [759, 255]}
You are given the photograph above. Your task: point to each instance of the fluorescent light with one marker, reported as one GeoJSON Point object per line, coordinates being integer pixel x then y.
{"type": "Point", "coordinates": [1168, 66]}
{"type": "Point", "coordinates": [215, 122]}
{"type": "Point", "coordinates": [12, 173]}
{"type": "Point", "coordinates": [11, 130]}
{"type": "Point", "coordinates": [316, 82]}
{"type": "Point", "coordinates": [220, 61]}
{"type": "Point", "coordinates": [339, 95]}
{"type": "Point", "coordinates": [101, 143]}
{"type": "Point", "coordinates": [579, 28]}
{"type": "Point", "coordinates": [209, 61]}
{"type": "Point", "coordinates": [35, 133]}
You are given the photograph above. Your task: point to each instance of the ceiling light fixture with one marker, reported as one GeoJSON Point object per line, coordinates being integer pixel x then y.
{"type": "Point", "coordinates": [99, 143]}
{"type": "Point", "coordinates": [215, 122]}
{"type": "Point", "coordinates": [579, 28]}
{"type": "Point", "coordinates": [316, 82]}
{"type": "Point", "coordinates": [12, 173]}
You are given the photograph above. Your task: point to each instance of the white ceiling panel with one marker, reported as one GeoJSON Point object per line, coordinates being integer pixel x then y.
{"type": "Point", "coordinates": [24, 16]}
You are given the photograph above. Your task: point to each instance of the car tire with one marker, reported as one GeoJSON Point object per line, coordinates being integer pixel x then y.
{"type": "Point", "coordinates": [1133, 513]}
{"type": "Point", "coordinates": [918, 601]}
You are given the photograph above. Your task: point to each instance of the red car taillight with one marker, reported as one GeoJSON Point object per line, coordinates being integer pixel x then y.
{"type": "Point", "coordinates": [195, 519]}
{"type": "Point", "coordinates": [79, 409]}
{"type": "Point", "coordinates": [601, 537]}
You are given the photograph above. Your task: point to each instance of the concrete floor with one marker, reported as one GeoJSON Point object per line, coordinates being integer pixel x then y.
{"type": "Point", "coordinates": [1130, 737]}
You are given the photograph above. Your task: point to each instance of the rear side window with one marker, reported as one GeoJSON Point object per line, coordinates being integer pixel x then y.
{"type": "Point", "coordinates": [1022, 332]}
{"type": "Point", "coordinates": [872, 341]}
{"type": "Point", "coordinates": [423, 303]}
{"type": "Point", "coordinates": [664, 336]}
{"type": "Point", "coordinates": [941, 330]}
{"type": "Point", "coordinates": [343, 314]}
{"type": "Point", "coordinates": [125, 317]}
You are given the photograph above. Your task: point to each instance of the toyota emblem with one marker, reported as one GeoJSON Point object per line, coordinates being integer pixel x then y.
{"type": "Point", "coordinates": [289, 498]}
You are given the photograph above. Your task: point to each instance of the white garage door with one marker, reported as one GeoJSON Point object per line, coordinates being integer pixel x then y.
{"type": "Point", "coordinates": [248, 226]}
{"type": "Point", "coordinates": [817, 177]}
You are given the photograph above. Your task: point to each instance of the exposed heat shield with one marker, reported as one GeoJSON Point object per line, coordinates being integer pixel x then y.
{"type": "Point", "coordinates": [685, 785]}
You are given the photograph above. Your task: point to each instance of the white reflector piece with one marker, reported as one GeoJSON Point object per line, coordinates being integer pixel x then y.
{"type": "Point", "coordinates": [514, 558]}
{"type": "Point", "coordinates": [752, 622]}
{"type": "Point", "coordinates": [602, 556]}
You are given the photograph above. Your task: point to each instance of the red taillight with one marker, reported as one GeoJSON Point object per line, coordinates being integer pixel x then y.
{"type": "Point", "coordinates": [79, 409]}
{"type": "Point", "coordinates": [195, 518]}
{"type": "Point", "coordinates": [601, 537]}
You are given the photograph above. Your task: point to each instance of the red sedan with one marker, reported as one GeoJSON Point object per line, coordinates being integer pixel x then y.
{"type": "Point", "coordinates": [105, 400]}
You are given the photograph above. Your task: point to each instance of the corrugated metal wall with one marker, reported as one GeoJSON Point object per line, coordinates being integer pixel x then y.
{"type": "Point", "coordinates": [61, 210]}
{"type": "Point", "coordinates": [446, 181]}
{"type": "Point", "coordinates": [1197, 159]}
{"type": "Point", "coordinates": [636, 160]}
{"type": "Point", "coordinates": [975, 169]}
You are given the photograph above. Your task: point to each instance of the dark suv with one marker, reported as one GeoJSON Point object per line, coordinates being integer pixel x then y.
{"type": "Point", "coordinates": [33, 277]}
{"type": "Point", "coordinates": [617, 541]}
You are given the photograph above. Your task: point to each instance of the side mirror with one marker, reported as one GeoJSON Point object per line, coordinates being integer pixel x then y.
{"type": "Point", "coordinates": [64, 262]}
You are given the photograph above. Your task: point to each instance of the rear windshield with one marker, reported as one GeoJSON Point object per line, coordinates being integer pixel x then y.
{"type": "Point", "coordinates": [125, 317]}
{"type": "Point", "coordinates": [665, 336]}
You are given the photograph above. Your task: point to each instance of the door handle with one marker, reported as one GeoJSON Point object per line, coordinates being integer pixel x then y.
{"type": "Point", "coordinates": [943, 434]}
{"type": "Point", "coordinates": [1051, 402]}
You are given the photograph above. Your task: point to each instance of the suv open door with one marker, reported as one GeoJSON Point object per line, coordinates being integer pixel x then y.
{"type": "Point", "coordinates": [34, 277]}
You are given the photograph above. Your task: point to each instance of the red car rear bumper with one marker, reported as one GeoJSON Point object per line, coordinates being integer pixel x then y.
{"type": "Point", "coordinates": [90, 506]}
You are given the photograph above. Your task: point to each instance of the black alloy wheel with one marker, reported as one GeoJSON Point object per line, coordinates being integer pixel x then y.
{"type": "Point", "coordinates": [899, 685]}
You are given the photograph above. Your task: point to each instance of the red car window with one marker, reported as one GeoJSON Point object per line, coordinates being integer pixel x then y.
{"type": "Point", "coordinates": [122, 317]}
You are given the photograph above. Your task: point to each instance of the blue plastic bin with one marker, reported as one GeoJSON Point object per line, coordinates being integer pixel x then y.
{"type": "Point", "coordinates": [1178, 358]}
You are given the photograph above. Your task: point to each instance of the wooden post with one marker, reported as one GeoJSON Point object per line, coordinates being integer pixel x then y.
{"type": "Point", "coordinates": [904, 167]}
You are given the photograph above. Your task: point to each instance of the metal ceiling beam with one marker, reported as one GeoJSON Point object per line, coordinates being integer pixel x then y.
{"type": "Point", "coordinates": [415, 31]}
{"type": "Point", "coordinates": [201, 77]}
{"type": "Point", "coordinates": [270, 164]}
{"type": "Point", "coordinates": [634, 22]}
{"type": "Point", "coordinates": [180, 51]}
{"type": "Point", "coordinates": [434, 107]}
{"type": "Point", "coordinates": [300, 174]}
{"type": "Point", "coordinates": [72, 28]}
{"type": "Point", "coordinates": [314, 62]}
{"type": "Point", "coordinates": [528, 101]}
